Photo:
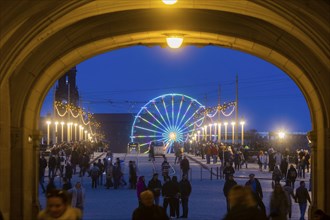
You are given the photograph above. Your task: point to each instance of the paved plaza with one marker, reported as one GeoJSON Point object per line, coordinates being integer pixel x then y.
{"type": "Point", "coordinates": [206, 202]}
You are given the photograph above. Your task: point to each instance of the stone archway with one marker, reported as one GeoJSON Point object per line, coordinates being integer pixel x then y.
{"type": "Point", "coordinates": [41, 40]}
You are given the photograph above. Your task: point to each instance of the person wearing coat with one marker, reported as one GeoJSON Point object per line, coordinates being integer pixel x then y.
{"type": "Point", "coordinates": [289, 193]}
{"type": "Point", "coordinates": [140, 187]}
{"type": "Point", "coordinates": [279, 204]}
{"type": "Point", "coordinates": [292, 175]}
{"type": "Point", "coordinates": [77, 196]}
{"type": "Point", "coordinates": [230, 183]}
{"type": "Point", "coordinates": [185, 190]}
{"type": "Point", "coordinates": [255, 186]}
{"type": "Point", "coordinates": [243, 206]}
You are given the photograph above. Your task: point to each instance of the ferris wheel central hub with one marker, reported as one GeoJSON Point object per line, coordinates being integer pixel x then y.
{"type": "Point", "coordinates": [172, 136]}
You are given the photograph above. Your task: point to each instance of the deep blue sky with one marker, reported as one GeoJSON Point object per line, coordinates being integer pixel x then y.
{"type": "Point", "coordinates": [268, 99]}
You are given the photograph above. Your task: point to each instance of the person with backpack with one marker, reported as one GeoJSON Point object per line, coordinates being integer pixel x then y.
{"type": "Point", "coordinates": [94, 173]}
{"type": "Point", "coordinates": [292, 175]}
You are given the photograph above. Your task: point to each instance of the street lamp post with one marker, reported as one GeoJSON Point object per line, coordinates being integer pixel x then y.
{"type": "Point", "coordinates": [48, 123]}
{"type": "Point", "coordinates": [225, 124]}
{"type": "Point", "coordinates": [242, 132]}
{"type": "Point", "coordinates": [56, 138]}
{"type": "Point", "coordinates": [210, 125]}
{"type": "Point", "coordinates": [215, 130]}
{"type": "Point", "coordinates": [75, 132]}
{"type": "Point", "coordinates": [68, 132]}
{"type": "Point", "coordinates": [233, 133]}
{"type": "Point", "coordinates": [198, 135]}
{"type": "Point", "coordinates": [219, 132]}
{"type": "Point", "coordinates": [62, 124]}
{"type": "Point", "coordinates": [205, 132]}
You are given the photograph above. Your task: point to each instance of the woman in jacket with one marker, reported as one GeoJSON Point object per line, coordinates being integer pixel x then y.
{"type": "Point", "coordinates": [140, 187]}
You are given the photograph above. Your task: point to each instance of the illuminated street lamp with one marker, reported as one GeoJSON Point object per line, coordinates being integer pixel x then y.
{"type": "Point", "coordinates": [205, 130]}
{"type": "Point", "coordinates": [174, 41]}
{"type": "Point", "coordinates": [48, 123]}
{"type": "Point", "coordinates": [62, 123]}
{"type": "Point", "coordinates": [225, 124]}
{"type": "Point", "coordinates": [233, 132]}
{"type": "Point", "coordinates": [75, 132]}
{"type": "Point", "coordinates": [210, 125]}
{"type": "Point", "coordinates": [281, 135]}
{"type": "Point", "coordinates": [215, 129]}
{"type": "Point", "coordinates": [169, 2]}
{"type": "Point", "coordinates": [242, 132]}
{"type": "Point", "coordinates": [198, 135]}
{"type": "Point", "coordinates": [219, 132]}
{"type": "Point", "coordinates": [68, 132]}
{"type": "Point", "coordinates": [56, 138]}
{"type": "Point", "coordinates": [85, 135]}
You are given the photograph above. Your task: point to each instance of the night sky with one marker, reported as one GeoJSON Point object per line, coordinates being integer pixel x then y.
{"type": "Point", "coordinates": [122, 81]}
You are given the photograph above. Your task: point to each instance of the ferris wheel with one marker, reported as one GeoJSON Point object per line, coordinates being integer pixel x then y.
{"type": "Point", "coordinates": [169, 118]}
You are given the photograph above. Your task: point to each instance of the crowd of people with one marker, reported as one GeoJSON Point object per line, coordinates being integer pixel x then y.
{"type": "Point", "coordinates": [243, 202]}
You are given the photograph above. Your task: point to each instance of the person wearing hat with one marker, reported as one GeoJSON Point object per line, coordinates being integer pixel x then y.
{"type": "Point", "coordinates": [155, 186]}
{"type": "Point", "coordinates": [148, 210]}
{"type": "Point", "coordinates": [257, 191]}
{"type": "Point", "coordinates": [230, 183]}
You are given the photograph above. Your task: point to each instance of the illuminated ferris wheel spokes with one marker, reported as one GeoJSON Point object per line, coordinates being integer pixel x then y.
{"type": "Point", "coordinates": [168, 118]}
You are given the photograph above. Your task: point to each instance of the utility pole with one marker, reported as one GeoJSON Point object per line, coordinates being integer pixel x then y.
{"type": "Point", "coordinates": [236, 111]}
{"type": "Point", "coordinates": [219, 104]}
{"type": "Point", "coordinates": [219, 113]}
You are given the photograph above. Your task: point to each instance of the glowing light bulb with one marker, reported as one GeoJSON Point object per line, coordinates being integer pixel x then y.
{"type": "Point", "coordinates": [174, 42]}
{"type": "Point", "coordinates": [169, 2]}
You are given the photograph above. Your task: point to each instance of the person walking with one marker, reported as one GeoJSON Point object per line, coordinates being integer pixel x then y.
{"type": "Point", "coordinates": [165, 169]}
{"type": "Point", "coordinates": [279, 204]}
{"type": "Point", "coordinates": [276, 176]}
{"type": "Point", "coordinates": [255, 186]}
{"type": "Point", "coordinates": [42, 167]}
{"type": "Point", "coordinates": [109, 176]}
{"type": "Point", "coordinates": [302, 196]}
{"type": "Point", "coordinates": [243, 206]}
{"type": "Point", "coordinates": [292, 175]}
{"type": "Point", "coordinates": [58, 207]}
{"type": "Point", "coordinates": [229, 170]}
{"type": "Point", "coordinates": [77, 196]}
{"type": "Point", "coordinates": [148, 210]}
{"type": "Point", "coordinates": [132, 175]}
{"type": "Point", "coordinates": [230, 183]}
{"type": "Point", "coordinates": [175, 197]}
{"type": "Point", "coordinates": [66, 184]}
{"type": "Point", "coordinates": [94, 172]}
{"type": "Point", "coordinates": [166, 194]}
{"type": "Point", "coordinates": [68, 171]}
{"type": "Point", "coordinates": [101, 167]}
{"type": "Point", "coordinates": [51, 166]}
{"type": "Point", "coordinates": [184, 165]}
{"type": "Point", "coordinates": [140, 187]}
{"type": "Point", "coordinates": [289, 193]}
{"type": "Point", "coordinates": [185, 190]}
{"type": "Point", "coordinates": [155, 186]}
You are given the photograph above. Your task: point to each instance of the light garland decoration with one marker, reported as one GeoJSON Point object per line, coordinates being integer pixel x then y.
{"type": "Point", "coordinates": [70, 109]}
